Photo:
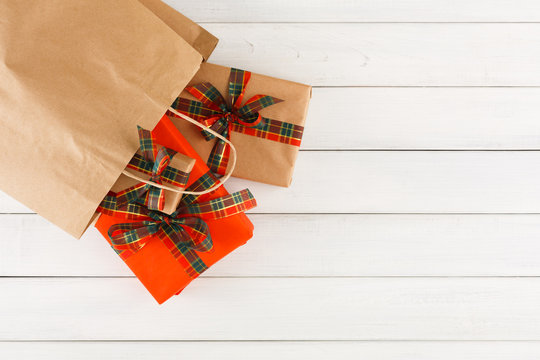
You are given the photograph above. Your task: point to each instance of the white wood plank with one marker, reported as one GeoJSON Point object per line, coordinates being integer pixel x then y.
{"type": "Point", "coordinates": [359, 10]}
{"type": "Point", "coordinates": [307, 245]}
{"type": "Point", "coordinates": [314, 350]}
{"type": "Point", "coordinates": [405, 182]}
{"type": "Point", "coordinates": [423, 118]}
{"type": "Point", "coordinates": [273, 309]}
{"type": "Point", "coordinates": [10, 205]}
{"type": "Point", "coordinates": [399, 182]}
{"type": "Point", "coordinates": [385, 54]}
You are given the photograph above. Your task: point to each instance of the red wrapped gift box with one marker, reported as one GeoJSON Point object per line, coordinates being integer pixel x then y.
{"type": "Point", "coordinates": [154, 265]}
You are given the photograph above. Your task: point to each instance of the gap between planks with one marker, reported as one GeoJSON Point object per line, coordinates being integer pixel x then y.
{"type": "Point", "coordinates": [270, 350]}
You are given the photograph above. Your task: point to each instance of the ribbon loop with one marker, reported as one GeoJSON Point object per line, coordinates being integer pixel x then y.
{"type": "Point", "coordinates": [131, 235]}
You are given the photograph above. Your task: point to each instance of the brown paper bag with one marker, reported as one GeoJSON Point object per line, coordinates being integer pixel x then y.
{"type": "Point", "coordinates": [259, 159]}
{"type": "Point", "coordinates": [196, 36]}
{"type": "Point", "coordinates": [76, 78]}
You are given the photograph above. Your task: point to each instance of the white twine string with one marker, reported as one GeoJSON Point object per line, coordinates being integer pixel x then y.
{"type": "Point", "coordinates": [176, 190]}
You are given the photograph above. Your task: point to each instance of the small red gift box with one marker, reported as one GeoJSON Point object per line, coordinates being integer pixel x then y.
{"type": "Point", "coordinates": [154, 264]}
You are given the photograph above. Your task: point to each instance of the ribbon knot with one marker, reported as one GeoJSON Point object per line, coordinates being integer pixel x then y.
{"type": "Point", "coordinates": [156, 216]}
{"type": "Point", "coordinates": [167, 221]}
{"type": "Point", "coordinates": [154, 161]}
{"type": "Point", "coordinates": [232, 117]}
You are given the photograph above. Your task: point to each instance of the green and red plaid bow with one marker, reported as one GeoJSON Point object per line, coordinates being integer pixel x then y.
{"type": "Point", "coordinates": [154, 161]}
{"type": "Point", "coordinates": [185, 232]}
{"type": "Point", "coordinates": [224, 116]}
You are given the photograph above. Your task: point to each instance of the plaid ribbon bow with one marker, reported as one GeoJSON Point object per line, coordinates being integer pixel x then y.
{"type": "Point", "coordinates": [224, 116]}
{"type": "Point", "coordinates": [154, 161]}
{"type": "Point", "coordinates": [184, 233]}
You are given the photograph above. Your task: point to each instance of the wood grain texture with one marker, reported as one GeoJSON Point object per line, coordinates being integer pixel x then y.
{"type": "Point", "coordinates": [398, 182]}
{"type": "Point", "coordinates": [318, 350]}
{"type": "Point", "coordinates": [273, 309]}
{"type": "Point", "coordinates": [359, 10]}
{"type": "Point", "coordinates": [423, 118]}
{"type": "Point", "coordinates": [384, 54]}
{"type": "Point", "coordinates": [406, 182]}
{"type": "Point", "coordinates": [327, 262]}
{"type": "Point", "coordinates": [307, 245]}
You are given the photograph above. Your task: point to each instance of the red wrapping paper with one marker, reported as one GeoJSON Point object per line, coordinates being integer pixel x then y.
{"type": "Point", "coordinates": [154, 265]}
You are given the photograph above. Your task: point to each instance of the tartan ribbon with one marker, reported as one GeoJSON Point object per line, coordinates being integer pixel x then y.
{"type": "Point", "coordinates": [154, 162]}
{"type": "Point", "coordinates": [224, 116]}
{"type": "Point", "coordinates": [185, 232]}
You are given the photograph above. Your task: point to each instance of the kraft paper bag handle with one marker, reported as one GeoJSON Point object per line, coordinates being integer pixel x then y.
{"type": "Point", "coordinates": [221, 180]}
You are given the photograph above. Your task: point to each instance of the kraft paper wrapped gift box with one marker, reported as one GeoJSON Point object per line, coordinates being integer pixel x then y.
{"type": "Point", "coordinates": [157, 164]}
{"type": "Point", "coordinates": [171, 199]}
{"type": "Point", "coordinates": [154, 265]}
{"type": "Point", "coordinates": [264, 117]}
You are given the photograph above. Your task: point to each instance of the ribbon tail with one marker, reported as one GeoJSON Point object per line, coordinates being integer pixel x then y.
{"type": "Point", "coordinates": [175, 240]}
{"type": "Point", "coordinates": [192, 262]}
{"type": "Point", "coordinates": [218, 161]}
{"type": "Point", "coordinates": [238, 80]}
{"type": "Point", "coordinates": [222, 207]}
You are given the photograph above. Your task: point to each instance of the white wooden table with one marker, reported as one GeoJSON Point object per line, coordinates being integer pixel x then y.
{"type": "Point", "coordinates": [411, 231]}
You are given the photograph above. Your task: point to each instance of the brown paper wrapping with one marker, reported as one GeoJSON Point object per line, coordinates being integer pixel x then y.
{"type": "Point", "coordinates": [196, 36]}
{"type": "Point", "coordinates": [180, 162]}
{"type": "Point", "coordinates": [259, 159]}
{"type": "Point", "coordinates": [77, 77]}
